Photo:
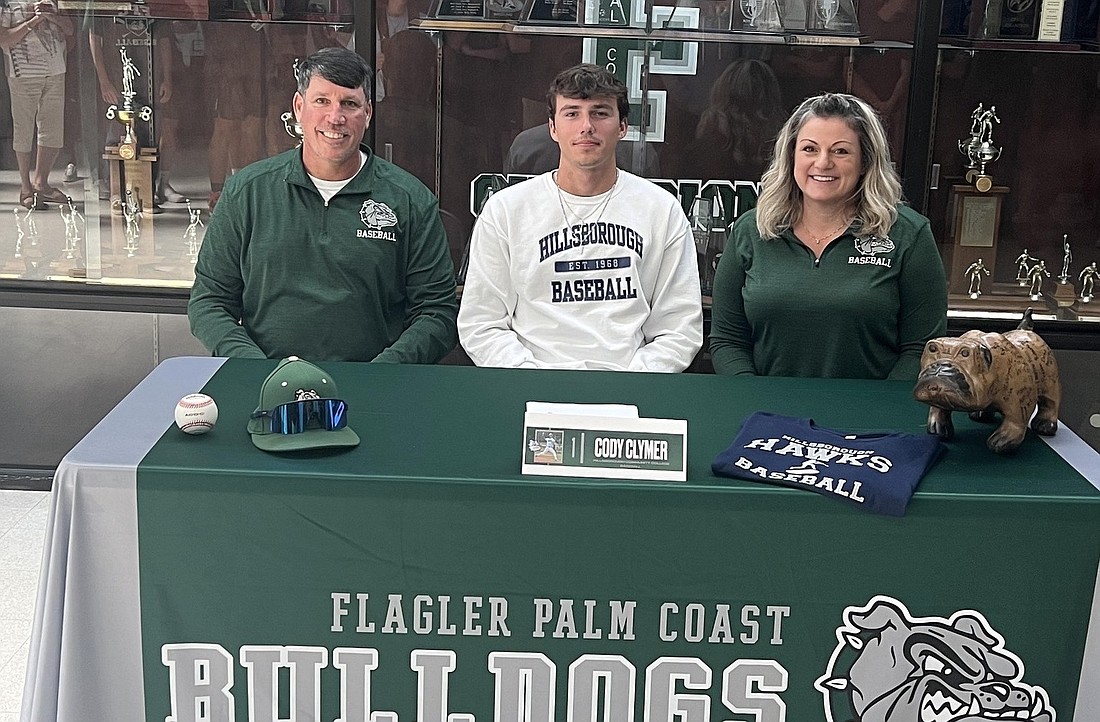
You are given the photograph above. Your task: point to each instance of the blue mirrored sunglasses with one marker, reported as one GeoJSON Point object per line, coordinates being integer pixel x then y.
{"type": "Point", "coordinates": [299, 416]}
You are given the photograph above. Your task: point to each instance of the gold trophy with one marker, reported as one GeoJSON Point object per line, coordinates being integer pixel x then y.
{"type": "Point", "coordinates": [130, 163]}
{"type": "Point", "coordinates": [128, 145]}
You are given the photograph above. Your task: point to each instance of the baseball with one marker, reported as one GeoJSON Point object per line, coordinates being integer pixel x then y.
{"type": "Point", "coordinates": [196, 413]}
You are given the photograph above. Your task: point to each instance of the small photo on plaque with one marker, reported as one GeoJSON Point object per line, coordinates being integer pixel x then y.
{"type": "Point", "coordinates": [552, 12]}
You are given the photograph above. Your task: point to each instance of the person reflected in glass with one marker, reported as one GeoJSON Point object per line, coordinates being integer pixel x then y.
{"type": "Point", "coordinates": [34, 38]}
{"type": "Point", "coordinates": [736, 131]}
{"type": "Point", "coordinates": [180, 56]}
{"type": "Point", "coordinates": [831, 275]}
{"type": "Point", "coordinates": [326, 251]}
{"type": "Point", "coordinates": [233, 53]}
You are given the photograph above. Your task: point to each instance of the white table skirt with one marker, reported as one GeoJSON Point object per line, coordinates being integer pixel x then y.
{"type": "Point", "coordinates": [85, 660]}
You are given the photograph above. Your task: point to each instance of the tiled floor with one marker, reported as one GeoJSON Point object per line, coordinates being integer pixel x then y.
{"type": "Point", "coordinates": [22, 530]}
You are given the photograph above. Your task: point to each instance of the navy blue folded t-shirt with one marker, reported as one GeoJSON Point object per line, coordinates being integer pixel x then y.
{"type": "Point", "coordinates": [876, 472]}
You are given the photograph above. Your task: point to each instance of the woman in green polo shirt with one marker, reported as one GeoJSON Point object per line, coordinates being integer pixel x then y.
{"type": "Point", "coordinates": [830, 275]}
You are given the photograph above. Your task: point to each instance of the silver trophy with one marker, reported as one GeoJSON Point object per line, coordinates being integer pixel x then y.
{"type": "Point", "coordinates": [834, 17]}
{"type": "Point", "coordinates": [191, 234]}
{"type": "Point", "coordinates": [1035, 276]}
{"type": "Point", "coordinates": [30, 225]}
{"type": "Point", "coordinates": [700, 231]}
{"type": "Point", "coordinates": [131, 212]}
{"type": "Point", "coordinates": [290, 124]}
{"type": "Point", "coordinates": [19, 233]}
{"type": "Point", "coordinates": [974, 273]}
{"type": "Point", "coordinates": [969, 147]}
{"type": "Point", "coordinates": [708, 227]}
{"type": "Point", "coordinates": [1087, 277]}
{"type": "Point", "coordinates": [979, 149]}
{"type": "Point", "coordinates": [72, 218]}
{"type": "Point", "coordinates": [292, 127]}
{"type": "Point", "coordinates": [1023, 265]}
{"type": "Point", "coordinates": [825, 11]}
{"type": "Point", "coordinates": [759, 16]}
{"type": "Point", "coordinates": [1067, 258]}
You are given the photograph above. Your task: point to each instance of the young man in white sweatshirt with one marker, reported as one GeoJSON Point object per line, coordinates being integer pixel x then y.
{"type": "Point", "coordinates": [586, 266]}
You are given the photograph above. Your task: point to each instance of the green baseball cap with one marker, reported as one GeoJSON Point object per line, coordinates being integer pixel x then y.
{"type": "Point", "coordinates": [315, 416]}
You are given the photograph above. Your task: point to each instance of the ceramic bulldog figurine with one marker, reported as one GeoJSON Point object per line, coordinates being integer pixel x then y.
{"type": "Point", "coordinates": [984, 373]}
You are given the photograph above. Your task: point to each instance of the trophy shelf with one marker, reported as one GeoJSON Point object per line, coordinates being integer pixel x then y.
{"type": "Point", "coordinates": [604, 31]}
{"type": "Point", "coordinates": [1025, 46]}
{"type": "Point", "coordinates": [166, 9]}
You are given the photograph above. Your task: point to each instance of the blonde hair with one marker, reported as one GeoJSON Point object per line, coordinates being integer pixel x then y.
{"type": "Point", "coordinates": [878, 192]}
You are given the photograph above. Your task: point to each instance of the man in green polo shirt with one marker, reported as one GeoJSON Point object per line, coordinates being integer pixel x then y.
{"type": "Point", "coordinates": [326, 252]}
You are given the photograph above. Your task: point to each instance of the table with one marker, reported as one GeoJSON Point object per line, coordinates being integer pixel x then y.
{"type": "Point", "coordinates": [419, 576]}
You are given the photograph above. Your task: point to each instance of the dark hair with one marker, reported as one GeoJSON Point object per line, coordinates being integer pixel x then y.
{"type": "Point", "coordinates": [745, 112]}
{"type": "Point", "coordinates": [586, 81]}
{"type": "Point", "coordinates": [336, 65]}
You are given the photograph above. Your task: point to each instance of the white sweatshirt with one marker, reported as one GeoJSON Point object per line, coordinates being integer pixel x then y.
{"type": "Point", "coordinates": [603, 283]}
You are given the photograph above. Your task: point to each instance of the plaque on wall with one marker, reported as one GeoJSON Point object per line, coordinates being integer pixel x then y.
{"type": "Point", "coordinates": [975, 218]}
{"type": "Point", "coordinates": [552, 12]}
{"type": "Point", "coordinates": [1004, 19]}
{"type": "Point", "coordinates": [978, 220]}
{"type": "Point", "coordinates": [975, 243]}
{"type": "Point", "coordinates": [457, 9]}
{"type": "Point", "coordinates": [1048, 21]}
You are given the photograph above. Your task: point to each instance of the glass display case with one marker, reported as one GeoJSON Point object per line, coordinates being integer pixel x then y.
{"type": "Point", "coordinates": [158, 112]}
{"type": "Point", "coordinates": [166, 99]}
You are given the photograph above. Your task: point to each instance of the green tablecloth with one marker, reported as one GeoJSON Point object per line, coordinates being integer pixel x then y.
{"type": "Point", "coordinates": [618, 598]}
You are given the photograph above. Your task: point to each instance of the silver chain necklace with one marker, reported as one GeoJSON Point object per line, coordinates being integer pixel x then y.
{"type": "Point", "coordinates": [598, 212]}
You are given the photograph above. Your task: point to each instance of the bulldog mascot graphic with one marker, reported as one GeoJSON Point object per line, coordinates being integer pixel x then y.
{"type": "Point", "coordinates": [891, 667]}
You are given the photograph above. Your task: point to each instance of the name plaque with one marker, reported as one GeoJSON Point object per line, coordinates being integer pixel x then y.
{"type": "Point", "coordinates": [458, 9]}
{"type": "Point", "coordinates": [604, 446]}
{"type": "Point", "coordinates": [553, 12]}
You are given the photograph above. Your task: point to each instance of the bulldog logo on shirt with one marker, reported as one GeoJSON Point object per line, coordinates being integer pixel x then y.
{"type": "Point", "coordinates": [869, 247]}
{"type": "Point", "coordinates": [889, 666]}
{"type": "Point", "coordinates": [872, 245]}
{"type": "Point", "coordinates": [377, 216]}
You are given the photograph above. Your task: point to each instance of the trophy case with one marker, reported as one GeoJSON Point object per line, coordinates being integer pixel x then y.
{"type": "Point", "coordinates": [459, 101]}
{"type": "Point", "coordinates": [1033, 218]}
{"type": "Point", "coordinates": [161, 107]}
